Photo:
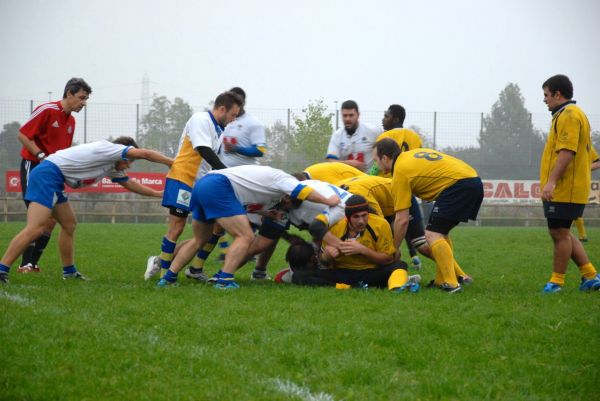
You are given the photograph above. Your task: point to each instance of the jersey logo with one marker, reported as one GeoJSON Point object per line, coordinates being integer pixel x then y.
{"type": "Point", "coordinates": [70, 130]}
{"type": "Point", "coordinates": [184, 197]}
{"type": "Point", "coordinates": [55, 124]}
{"type": "Point", "coordinates": [253, 207]}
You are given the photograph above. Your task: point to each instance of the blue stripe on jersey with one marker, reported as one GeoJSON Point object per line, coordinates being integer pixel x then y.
{"type": "Point", "coordinates": [297, 190]}
{"type": "Point", "coordinates": [124, 153]}
{"type": "Point", "coordinates": [330, 156]}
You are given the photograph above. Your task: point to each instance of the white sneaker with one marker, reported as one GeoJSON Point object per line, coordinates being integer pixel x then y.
{"type": "Point", "coordinates": [152, 267]}
{"type": "Point", "coordinates": [196, 276]}
{"type": "Point", "coordinates": [415, 278]}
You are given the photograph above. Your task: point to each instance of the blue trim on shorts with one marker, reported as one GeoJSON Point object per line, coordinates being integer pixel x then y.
{"type": "Point", "coordinates": [213, 198]}
{"type": "Point", "coordinates": [46, 185]}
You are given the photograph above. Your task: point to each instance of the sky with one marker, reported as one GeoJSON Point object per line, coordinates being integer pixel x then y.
{"type": "Point", "coordinates": [448, 56]}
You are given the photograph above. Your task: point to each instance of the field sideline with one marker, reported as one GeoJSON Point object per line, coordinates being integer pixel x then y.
{"type": "Point", "coordinates": [120, 338]}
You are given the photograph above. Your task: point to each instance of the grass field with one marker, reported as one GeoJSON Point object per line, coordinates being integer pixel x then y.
{"type": "Point", "coordinates": [120, 338]}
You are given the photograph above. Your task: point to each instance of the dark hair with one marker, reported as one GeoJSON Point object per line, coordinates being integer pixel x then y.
{"type": "Point", "coordinates": [74, 85]}
{"type": "Point", "coordinates": [300, 256]}
{"type": "Point", "coordinates": [350, 105]}
{"type": "Point", "coordinates": [397, 111]}
{"type": "Point", "coordinates": [387, 147]}
{"type": "Point", "coordinates": [559, 83]}
{"type": "Point", "coordinates": [300, 176]}
{"type": "Point", "coordinates": [228, 99]}
{"type": "Point", "coordinates": [239, 91]}
{"type": "Point", "coordinates": [356, 204]}
{"type": "Point", "coordinates": [126, 140]}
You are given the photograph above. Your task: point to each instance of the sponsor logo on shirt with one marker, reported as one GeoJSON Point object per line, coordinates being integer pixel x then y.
{"type": "Point", "coordinates": [55, 124]}
{"type": "Point", "coordinates": [70, 130]}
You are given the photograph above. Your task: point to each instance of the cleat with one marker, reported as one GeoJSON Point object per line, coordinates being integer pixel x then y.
{"type": "Point", "coordinates": [416, 263]}
{"type": "Point", "coordinates": [198, 275]}
{"type": "Point", "coordinates": [551, 287]}
{"type": "Point", "coordinates": [259, 274]}
{"type": "Point", "coordinates": [3, 278]}
{"type": "Point", "coordinates": [465, 280]}
{"type": "Point", "coordinates": [29, 268]}
{"type": "Point", "coordinates": [152, 267]}
{"type": "Point", "coordinates": [451, 289]}
{"type": "Point", "coordinates": [284, 276]}
{"type": "Point", "coordinates": [412, 285]}
{"type": "Point", "coordinates": [592, 284]}
{"type": "Point", "coordinates": [226, 285]}
{"type": "Point", "coordinates": [75, 276]}
{"type": "Point", "coordinates": [584, 239]}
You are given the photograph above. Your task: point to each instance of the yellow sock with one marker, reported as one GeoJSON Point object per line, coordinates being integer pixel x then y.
{"type": "Point", "coordinates": [444, 261]}
{"type": "Point", "coordinates": [397, 279]}
{"type": "Point", "coordinates": [557, 278]}
{"type": "Point", "coordinates": [342, 286]}
{"type": "Point", "coordinates": [457, 269]}
{"type": "Point", "coordinates": [580, 226]}
{"type": "Point", "coordinates": [588, 271]}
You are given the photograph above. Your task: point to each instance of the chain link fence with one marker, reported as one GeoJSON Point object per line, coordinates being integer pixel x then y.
{"type": "Point", "coordinates": [440, 130]}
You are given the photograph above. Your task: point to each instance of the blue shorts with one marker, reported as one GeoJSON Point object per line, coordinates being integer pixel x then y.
{"type": "Point", "coordinates": [213, 198]}
{"type": "Point", "coordinates": [46, 185]}
{"type": "Point", "coordinates": [177, 195]}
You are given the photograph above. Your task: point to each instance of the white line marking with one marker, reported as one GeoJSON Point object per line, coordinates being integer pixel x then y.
{"type": "Point", "coordinates": [291, 388]}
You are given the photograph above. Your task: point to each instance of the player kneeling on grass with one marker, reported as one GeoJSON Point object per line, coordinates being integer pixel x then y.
{"type": "Point", "coordinates": [225, 196]}
{"type": "Point", "coordinates": [363, 257]}
{"type": "Point", "coordinates": [76, 167]}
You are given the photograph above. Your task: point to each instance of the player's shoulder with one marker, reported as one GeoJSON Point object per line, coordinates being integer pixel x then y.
{"type": "Point", "coordinates": [370, 129]}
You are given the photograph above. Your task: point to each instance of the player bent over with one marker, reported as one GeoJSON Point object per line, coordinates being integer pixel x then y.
{"type": "Point", "coordinates": [433, 176]}
{"type": "Point", "coordinates": [224, 197]}
{"type": "Point", "coordinates": [76, 167]}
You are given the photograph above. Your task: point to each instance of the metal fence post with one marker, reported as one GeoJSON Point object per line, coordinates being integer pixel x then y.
{"type": "Point", "coordinates": [434, 130]}
{"type": "Point", "coordinates": [85, 124]}
{"type": "Point", "coordinates": [31, 106]}
{"type": "Point", "coordinates": [137, 121]}
{"type": "Point", "coordinates": [289, 116]}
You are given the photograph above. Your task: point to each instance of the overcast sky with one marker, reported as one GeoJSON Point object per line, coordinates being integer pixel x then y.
{"type": "Point", "coordinates": [451, 56]}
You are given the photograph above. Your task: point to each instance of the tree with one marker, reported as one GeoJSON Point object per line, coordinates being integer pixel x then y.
{"type": "Point", "coordinates": [510, 147]}
{"type": "Point", "coordinates": [311, 136]}
{"type": "Point", "coordinates": [278, 146]}
{"type": "Point", "coordinates": [10, 149]}
{"type": "Point", "coordinates": [164, 123]}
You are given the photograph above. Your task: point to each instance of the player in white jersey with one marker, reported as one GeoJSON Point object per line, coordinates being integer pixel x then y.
{"type": "Point", "coordinates": [76, 167]}
{"type": "Point", "coordinates": [198, 149]}
{"type": "Point", "coordinates": [244, 138]}
{"type": "Point", "coordinates": [243, 144]}
{"type": "Point", "coordinates": [225, 197]}
{"type": "Point", "coordinates": [353, 143]}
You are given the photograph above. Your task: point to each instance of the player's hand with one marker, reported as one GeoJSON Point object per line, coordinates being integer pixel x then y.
{"type": "Point", "coordinates": [276, 215]}
{"type": "Point", "coordinates": [398, 255]}
{"type": "Point", "coordinates": [351, 247]}
{"type": "Point", "coordinates": [548, 191]}
{"type": "Point", "coordinates": [331, 252]}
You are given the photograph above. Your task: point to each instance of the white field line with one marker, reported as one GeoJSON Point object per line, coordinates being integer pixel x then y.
{"type": "Point", "coordinates": [292, 389]}
{"type": "Point", "coordinates": [16, 298]}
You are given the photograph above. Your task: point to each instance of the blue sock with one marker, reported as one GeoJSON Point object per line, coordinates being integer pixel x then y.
{"type": "Point", "coordinates": [69, 269]}
{"type": "Point", "coordinates": [4, 268]}
{"type": "Point", "coordinates": [170, 276]}
{"type": "Point", "coordinates": [224, 278]}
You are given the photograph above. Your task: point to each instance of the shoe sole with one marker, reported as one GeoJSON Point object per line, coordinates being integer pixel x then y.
{"type": "Point", "coordinates": [149, 273]}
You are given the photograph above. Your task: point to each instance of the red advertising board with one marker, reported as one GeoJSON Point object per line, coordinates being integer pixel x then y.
{"type": "Point", "coordinates": [153, 180]}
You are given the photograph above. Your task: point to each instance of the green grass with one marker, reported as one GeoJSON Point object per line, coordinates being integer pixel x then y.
{"type": "Point", "coordinates": [120, 338]}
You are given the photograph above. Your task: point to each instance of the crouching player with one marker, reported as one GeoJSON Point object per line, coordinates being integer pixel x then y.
{"type": "Point", "coordinates": [363, 255]}
{"type": "Point", "coordinates": [225, 197]}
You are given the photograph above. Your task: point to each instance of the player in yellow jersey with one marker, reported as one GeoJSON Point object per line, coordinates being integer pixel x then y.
{"type": "Point", "coordinates": [433, 176]}
{"type": "Point", "coordinates": [393, 125]}
{"type": "Point", "coordinates": [565, 175]}
{"type": "Point", "coordinates": [331, 172]}
{"type": "Point", "coordinates": [378, 193]}
{"type": "Point", "coordinates": [198, 148]}
{"type": "Point", "coordinates": [363, 256]}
